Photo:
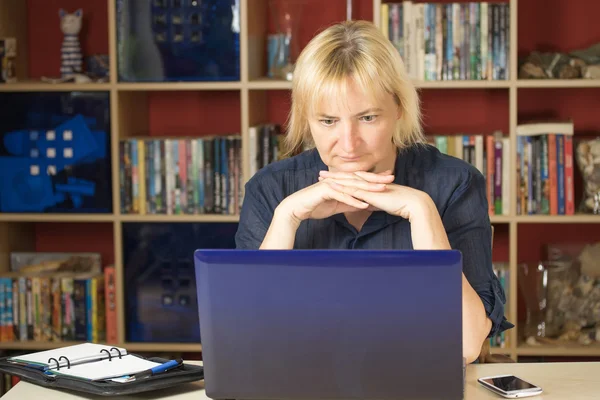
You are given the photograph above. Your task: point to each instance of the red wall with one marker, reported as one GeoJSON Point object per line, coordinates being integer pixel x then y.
{"type": "Point", "coordinates": [76, 237]}
{"type": "Point", "coordinates": [194, 113]}
{"type": "Point", "coordinates": [557, 25]}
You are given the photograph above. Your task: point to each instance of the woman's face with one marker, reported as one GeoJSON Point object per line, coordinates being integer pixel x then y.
{"type": "Point", "coordinates": [355, 134]}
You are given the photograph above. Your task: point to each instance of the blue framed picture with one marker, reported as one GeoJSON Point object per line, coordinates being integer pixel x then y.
{"type": "Point", "coordinates": [178, 40]}
{"type": "Point", "coordinates": [55, 152]}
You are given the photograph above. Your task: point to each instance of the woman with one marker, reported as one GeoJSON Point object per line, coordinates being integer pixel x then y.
{"type": "Point", "coordinates": [371, 182]}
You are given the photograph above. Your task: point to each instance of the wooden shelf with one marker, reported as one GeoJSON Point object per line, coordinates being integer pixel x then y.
{"type": "Point", "coordinates": [178, 86]}
{"type": "Point", "coordinates": [500, 219]}
{"type": "Point", "coordinates": [568, 350]}
{"type": "Point", "coordinates": [559, 219]}
{"type": "Point", "coordinates": [273, 84]}
{"type": "Point", "coordinates": [269, 84]}
{"type": "Point", "coordinates": [38, 86]}
{"type": "Point", "coordinates": [179, 218]}
{"type": "Point", "coordinates": [463, 84]}
{"type": "Point", "coordinates": [57, 217]}
{"type": "Point", "coordinates": [162, 347]}
{"type": "Point", "coordinates": [150, 347]}
{"type": "Point", "coordinates": [558, 83]}
{"type": "Point", "coordinates": [33, 345]}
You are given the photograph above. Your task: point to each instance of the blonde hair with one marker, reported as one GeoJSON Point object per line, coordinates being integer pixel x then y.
{"type": "Point", "coordinates": [351, 49]}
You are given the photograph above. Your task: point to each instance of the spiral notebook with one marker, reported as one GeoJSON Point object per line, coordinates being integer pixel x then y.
{"type": "Point", "coordinates": [86, 361]}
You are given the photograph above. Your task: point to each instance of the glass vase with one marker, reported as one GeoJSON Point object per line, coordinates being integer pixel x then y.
{"type": "Point", "coordinates": [543, 286]}
{"type": "Point", "coordinates": [283, 46]}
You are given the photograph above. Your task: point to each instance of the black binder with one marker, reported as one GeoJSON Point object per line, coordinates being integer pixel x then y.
{"type": "Point", "coordinates": [42, 376]}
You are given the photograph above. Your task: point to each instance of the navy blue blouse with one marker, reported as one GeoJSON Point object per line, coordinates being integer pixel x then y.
{"type": "Point", "coordinates": [457, 188]}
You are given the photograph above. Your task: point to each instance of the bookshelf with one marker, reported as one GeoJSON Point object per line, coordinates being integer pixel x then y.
{"type": "Point", "coordinates": [255, 99]}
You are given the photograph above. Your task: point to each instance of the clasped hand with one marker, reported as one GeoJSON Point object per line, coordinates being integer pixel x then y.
{"type": "Point", "coordinates": [343, 192]}
{"type": "Point", "coordinates": [376, 190]}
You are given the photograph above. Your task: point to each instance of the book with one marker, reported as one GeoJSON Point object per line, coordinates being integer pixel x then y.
{"type": "Point", "coordinates": [88, 361]}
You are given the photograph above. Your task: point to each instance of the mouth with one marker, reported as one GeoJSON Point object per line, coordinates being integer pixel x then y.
{"type": "Point", "coordinates": [348, 159]}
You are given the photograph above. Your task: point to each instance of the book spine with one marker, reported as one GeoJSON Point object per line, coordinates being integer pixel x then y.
{"type": "Point", "coordinates": [37, 305]}
{"type": "Point", "coordinates": [16, 309]}
{"type": "Point", "coordinates": [110, 291]}
{"type": "Point", "coordinates": [23, 309]}
{"type": "Point", "coordinates": [80, 310]}
{"type": "Point", "coordinates": [490, 173]}
{"type": "Point", "coordinates": [569, 185]}
{"type": "Point", "coordinates": [545, 196]}
{"type": "Point", "coordinates": [498, 176]}
{"type": "Point", "coordinates": [56, 310]}
{"type": "Point", "coordinates": [560, 156]}
{"type": "Point", "coordinates": [552, 176]}
{"type": "Point", "coordinates": [46, 312]}
{"type": "Point", "coordinates": [68, 309]}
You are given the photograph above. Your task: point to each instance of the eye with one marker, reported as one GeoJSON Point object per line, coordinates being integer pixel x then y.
{"type": "Point", "coordinates": [327, 122]}
{"type": "Point", "coordinates": [368, 118]}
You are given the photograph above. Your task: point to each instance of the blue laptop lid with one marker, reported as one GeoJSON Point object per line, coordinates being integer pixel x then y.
{"type": "Point", "coordinates": [292, 324]}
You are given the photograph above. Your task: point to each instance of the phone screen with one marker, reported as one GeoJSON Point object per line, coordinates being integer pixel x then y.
{"type": "Point", "coordinates": [509, 383]}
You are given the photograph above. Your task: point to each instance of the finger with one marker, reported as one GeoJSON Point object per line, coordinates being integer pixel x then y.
{"type": "Point", "coordinates": [372, 177]}
{"type": "Point", "coordinates": [359, 175]}
{"type": "Point", "coordinates": [373, 187]}
{"type": "Point", "coordinates": [346, 199]}
{"type": "Point", "coordinates": [350, 190]}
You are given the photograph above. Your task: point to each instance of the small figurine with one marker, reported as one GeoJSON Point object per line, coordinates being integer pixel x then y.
{"type": "Point", "coordinates": [71, 59]}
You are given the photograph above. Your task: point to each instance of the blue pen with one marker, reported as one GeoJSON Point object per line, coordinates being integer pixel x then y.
{"type": "Point", "coordinates": [158, 369]}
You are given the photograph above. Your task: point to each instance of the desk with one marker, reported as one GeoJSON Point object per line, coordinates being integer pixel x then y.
{"type": "Point", "coordinates": [558, 380]}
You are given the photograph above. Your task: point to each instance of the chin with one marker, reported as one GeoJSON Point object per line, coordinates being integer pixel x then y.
{"type": "Point", "coordinates": [353, 167]}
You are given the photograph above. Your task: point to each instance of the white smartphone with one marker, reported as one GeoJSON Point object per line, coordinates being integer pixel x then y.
{"type": "Point", "coordinates": [510, 386]}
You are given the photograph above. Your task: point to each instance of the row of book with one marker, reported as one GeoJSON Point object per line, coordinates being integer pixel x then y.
{"type": "Point", "coordinates": [502, 271]}
{"type": "Point", "coordinates": [450, 41]}
{"type": "Point", "coordinates": [490, 154]}
{"type": "Point", "coordinates": [58, 307]}
{"type": "Point", "coordinates": [265, 145]}
{"type": "Point", "coordinates": [545, 179]}
{"type": "Point", "coordinates": [181, 175]}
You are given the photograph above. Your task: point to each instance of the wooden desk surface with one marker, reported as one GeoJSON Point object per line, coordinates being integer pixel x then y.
{"type": "Point", "coordinates": [558, 381]}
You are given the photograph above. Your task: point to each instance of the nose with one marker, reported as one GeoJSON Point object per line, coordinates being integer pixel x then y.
{"type": "Point", "coordinates": [348, 138]}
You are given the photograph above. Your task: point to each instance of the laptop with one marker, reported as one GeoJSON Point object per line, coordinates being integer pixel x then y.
{"type": "Point", "coordinates": [331, 324]}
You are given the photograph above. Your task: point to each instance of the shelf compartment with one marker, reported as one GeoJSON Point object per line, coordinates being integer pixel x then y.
{"type": "Point", "coordinates": [40, 54]}
{"type": "Point", "coordinates": [161, 298]}
{"type": "Point", "coordinates": [185, 41]}
{"type": "Point", "coordinates": [68, 237]}
{"type": "Point", "coordinates": [160, 114]}
{"type": "Point", "coordinates": [57, 146]}
{"type": "Point", "coordinates": [450, 111]}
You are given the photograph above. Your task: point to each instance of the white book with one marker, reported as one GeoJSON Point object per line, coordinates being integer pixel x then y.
{"type": "Point", "coordinates": [544, 128]}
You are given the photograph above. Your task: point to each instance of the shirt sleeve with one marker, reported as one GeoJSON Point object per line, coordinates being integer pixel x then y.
{"type": "Point", "coordinates": [468, 228]}
{"type": "Point", "coordinates": [255, 217]}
